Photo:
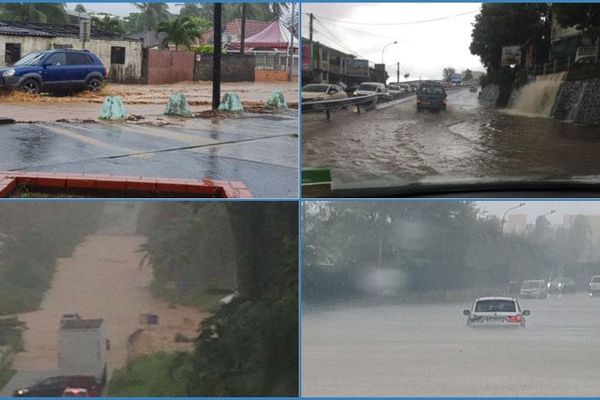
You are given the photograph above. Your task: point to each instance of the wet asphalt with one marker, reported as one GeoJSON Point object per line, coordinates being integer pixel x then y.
{"type": "Point", "coordinates": [259, 150]}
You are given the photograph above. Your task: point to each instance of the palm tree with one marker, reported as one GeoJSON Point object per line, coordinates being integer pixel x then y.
{"type": "Point", "coordinates": [151, 15]}
{"type": "Point", "coordinates": [180, 31]}
{"type": "Point", "coordinates": [34, 12]}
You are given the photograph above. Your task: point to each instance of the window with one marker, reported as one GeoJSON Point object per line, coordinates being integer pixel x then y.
{"type": "Point", "coordinates": [117, 55]}
{"type": "Point", "coordinates": [78, 59]}
{"type": "Point", "coordinates": [56, 59]}
{"type": "Point", "coordinates": [12, 53]}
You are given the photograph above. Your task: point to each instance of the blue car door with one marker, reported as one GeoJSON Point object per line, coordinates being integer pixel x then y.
{"type": "Point", "coordinates": [53, 71]}
{"type": "Point", "coordinates": [78, 66]}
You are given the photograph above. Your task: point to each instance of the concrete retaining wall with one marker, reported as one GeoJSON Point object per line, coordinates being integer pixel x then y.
{"type": "Point", "coordinates": [579, 102]}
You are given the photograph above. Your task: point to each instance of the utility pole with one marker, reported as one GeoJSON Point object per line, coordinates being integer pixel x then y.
{"type": "Point", "coordinates": [291, 52]}
{"type": "Point", "coordinates": [217, 44]}
{"type": "Point", "coordinates": [310, 38]}
{"type": "Point", "coordinates": [398, 73]}
{"type": "Point", "coordinates": [243, 39]}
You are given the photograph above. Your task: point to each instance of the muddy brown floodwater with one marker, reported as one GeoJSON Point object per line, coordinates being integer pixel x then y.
{"type": "Point", "coordinates": [397, 145]}
{"type": "Point", "coordinates": [144, 100]}
{"type": "Point", "coordinates": [103, 279]}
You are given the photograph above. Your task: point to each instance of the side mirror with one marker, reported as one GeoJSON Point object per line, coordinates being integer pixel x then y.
{"type": "Point", "coordinates": [467, 312]}
{"type": "Point", "coordinates": [47, 64]}
{"type": "Point", "coordinates": [526, 312]}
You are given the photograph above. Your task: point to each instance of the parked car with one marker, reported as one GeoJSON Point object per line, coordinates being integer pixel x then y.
{"type": "Point", "coordinates": [322, 91]}
{"type": "Point", "coordinates": [534, 289]}
{"type": "Point", "coordinates": [595, 285]}
{"type": "Point", "coordinates": [496, 311]}
{"type": "Point", "coordinates": [562, 285]}
{"type": "Point", "coordinates": [55, 71]}
{"type": "Point", "coordinates": [431, 95]}
{"type": "Point", "coordinates": [369, 88]}
{"type": "Point", "coordinates": [55, 386]}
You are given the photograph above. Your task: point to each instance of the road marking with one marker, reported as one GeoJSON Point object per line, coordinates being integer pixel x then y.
{"type": "Point", "coordinates": [89, 140]}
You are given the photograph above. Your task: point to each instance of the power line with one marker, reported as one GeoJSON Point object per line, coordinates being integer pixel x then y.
{"type": "Point", "coordinates": [337, 40]}
{"type": "Point", "coordinates": [363, 32]}
{"type": "Point", "coordinates": [400, 23]}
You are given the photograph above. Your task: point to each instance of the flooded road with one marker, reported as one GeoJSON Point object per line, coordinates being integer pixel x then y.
{"type": "Point", "coordinates": [416, 350]}
{"type": "Point", "coordinates": [471, 140]}
{"type": "Point", "coordinates": [102, 279]}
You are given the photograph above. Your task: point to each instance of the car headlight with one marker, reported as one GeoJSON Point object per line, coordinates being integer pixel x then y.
{"type": "Point", "coordinates": [8, 73]}
{"type": "Point", "coordinates": [22, 391]}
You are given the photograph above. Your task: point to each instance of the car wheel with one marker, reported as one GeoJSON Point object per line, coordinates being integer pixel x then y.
{"type": "Point", "coordinates": [30, 86]}
{"type": "Point", "coordinates": [94, 85]}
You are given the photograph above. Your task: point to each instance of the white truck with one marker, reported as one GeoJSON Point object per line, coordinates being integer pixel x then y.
{"type": "Point", "coordinates": [82, 346]}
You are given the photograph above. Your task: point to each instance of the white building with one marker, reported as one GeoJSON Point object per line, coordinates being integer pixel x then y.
{"type": "Point", "coordinates": [122, 57]}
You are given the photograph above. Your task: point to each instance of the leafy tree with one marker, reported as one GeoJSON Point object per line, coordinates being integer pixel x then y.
{"type": "Point", "coordinates": [151, 15]}
{"type": "Point", "coordinates": [467, 75]}
{"type": "Point", "coordinates": [80, 8]}
{"type": "Point", "coordinates": [34, 12]}
{"type": "Point", "coordinates": [585, 17]}
{"type": "Point", "coordinates": [448, 72]}
{"type": "Point", "coordinates": [190, 10]}
{"type": "Point", "coordinates": [108, 23]}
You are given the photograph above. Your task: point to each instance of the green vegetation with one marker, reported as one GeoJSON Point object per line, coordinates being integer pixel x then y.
{"type": "Point", "coordinates": [528, 25]}
{"type": "Point", "coordinates": [6, 375]}
{"type": "Point", "coordinates": [249, 347]}
{"type": "Point", "coordinates": [433, 246]}
{"type": "Point", "coordinates": [33, 236]}
{"type": "Point", "coordinates": [34, 12]}
{"type": "Point", "coordinates": [155, 375]}
{"type": "Point", "coordinates": [181, 31]}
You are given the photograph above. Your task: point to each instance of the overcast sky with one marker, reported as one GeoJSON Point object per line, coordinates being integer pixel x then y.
{"type": "Point", "coordinates": [423, 48]}
{"type": "Point", "coordinates": [534, 209]}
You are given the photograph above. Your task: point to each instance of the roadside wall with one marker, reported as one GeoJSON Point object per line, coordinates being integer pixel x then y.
{"type": "Point", "coordinates": [490, 93]}
{"type": "Point", "coordinates": [168, 66]}
{"type": "Point", "coordinates": [269, 75]}
{"type": "Point", "coordinates": [579, 102]}
{"type": "Point", "coordinates": [234, 68]}
{"type": "Point", "coordinates": [130, 71]}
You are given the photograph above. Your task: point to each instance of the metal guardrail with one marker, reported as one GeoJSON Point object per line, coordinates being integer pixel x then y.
{"type": "Point", "coordinates": [366, 102]}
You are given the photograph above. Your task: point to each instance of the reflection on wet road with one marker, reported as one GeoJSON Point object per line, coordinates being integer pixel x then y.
{"type": "Point", "coordinates": [470, 140]}
{"type": "Point", "coordinates": [260, 151]}
{"type": "Point", "coordinates": [415, 350]}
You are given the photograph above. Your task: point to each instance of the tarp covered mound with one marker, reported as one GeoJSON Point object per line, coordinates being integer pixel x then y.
{"type": "Point", "coordinates": [274, 36]}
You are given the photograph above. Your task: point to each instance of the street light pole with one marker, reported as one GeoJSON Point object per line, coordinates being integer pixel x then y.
{"type": "Point", "coordinates": [503, 220]}
{"type": "Point", "coordinates": [384, 47]}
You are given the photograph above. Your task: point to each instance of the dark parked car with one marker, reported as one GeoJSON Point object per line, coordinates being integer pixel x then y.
{"type": "Point", "coordinates": [431, 95]}
{"type": "Point", "coordinates": [55, 71]}
{"type": "Point", "coordinates": [55, 386]}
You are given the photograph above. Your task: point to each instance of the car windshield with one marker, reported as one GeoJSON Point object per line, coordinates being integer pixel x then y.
{"type": "Point", "coordinates": [495, 305]}
{"type": "Point", "coordinates": [315, 88]}
{"type": "Point", "coordinates": [367, 87]}
{"type": "Point", "coordinates": [31, 59]}
{"type": "Point", "coordinates": [535, 123]}
{"type": "Point", "coordinates": [596, 279]}
{"type": "Point", "coordinates": [53, 380]}
{"type": "Point", "coordinates": [531, 285]}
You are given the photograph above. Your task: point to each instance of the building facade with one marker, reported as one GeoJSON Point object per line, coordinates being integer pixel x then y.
{"type": "Point", "coordinates": [122, 57]}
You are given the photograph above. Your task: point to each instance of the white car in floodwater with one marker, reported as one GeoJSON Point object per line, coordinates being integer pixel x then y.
{"type": "Point", "coordinates": [496, 311]}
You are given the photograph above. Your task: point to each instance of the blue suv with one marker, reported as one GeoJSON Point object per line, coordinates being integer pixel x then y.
{"type": "Point", "coordinates": [55, 71]}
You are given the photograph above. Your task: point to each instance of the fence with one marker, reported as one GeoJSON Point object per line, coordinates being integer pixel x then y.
{"type": "Point", "coordinates": [276, 62]}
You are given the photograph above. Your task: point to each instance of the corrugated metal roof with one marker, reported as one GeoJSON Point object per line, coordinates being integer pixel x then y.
{"type": "Point", "coordinates": [11, 28]}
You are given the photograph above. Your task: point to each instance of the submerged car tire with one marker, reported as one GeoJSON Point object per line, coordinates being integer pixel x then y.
{"type": "Point", "coordinates": [30, 86]}
{"type": "Point", "coordinates": [94, 85]}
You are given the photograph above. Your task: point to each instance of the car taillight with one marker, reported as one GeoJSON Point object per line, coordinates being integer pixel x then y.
{"type": "Point", "coordinates": [514, 318]}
